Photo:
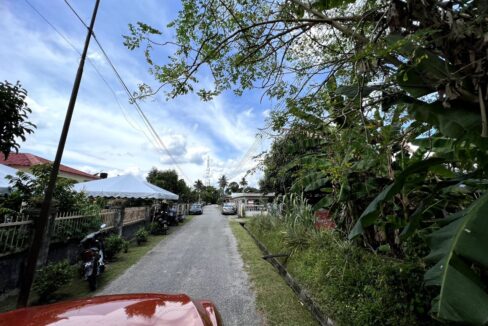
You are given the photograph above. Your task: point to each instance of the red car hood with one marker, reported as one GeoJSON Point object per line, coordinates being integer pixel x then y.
{"type": "Point", "coordinates": [120, 310]}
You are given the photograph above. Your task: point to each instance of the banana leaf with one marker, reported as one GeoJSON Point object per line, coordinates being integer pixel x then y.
{"type": "Point", "coordinates": [308, 180]}
{"type": "Point", "coordinates": [371, 213]}
{"type": "Point", "coordinates": [461, 243]}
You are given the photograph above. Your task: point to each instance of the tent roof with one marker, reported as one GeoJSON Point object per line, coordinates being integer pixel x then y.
{"type": "Point", "coordinates": [4, 183]}
{"type": "Point", "coordinates": [124, 186]}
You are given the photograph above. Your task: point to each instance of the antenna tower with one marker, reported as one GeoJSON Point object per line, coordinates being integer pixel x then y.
{"type": "Point", "coordinates": [207, 172]}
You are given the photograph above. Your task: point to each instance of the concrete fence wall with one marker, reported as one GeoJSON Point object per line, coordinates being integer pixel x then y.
{"type": "Point", "coordinates": [12, 264]}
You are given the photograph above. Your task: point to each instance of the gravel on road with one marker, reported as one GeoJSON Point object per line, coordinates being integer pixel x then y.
{"type": "Point", "coordinates": [201, 260]}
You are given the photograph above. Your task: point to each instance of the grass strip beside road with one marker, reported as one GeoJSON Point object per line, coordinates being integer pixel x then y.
{"type": "Point", "coordinates": [78, 288]}
{"type": "Point", "coordinates": [274, 299]}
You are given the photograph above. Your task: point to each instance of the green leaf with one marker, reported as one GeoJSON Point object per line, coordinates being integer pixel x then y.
{"type": "Point", "coordinates": [311, 179]}
{"type": "Point", "coordinates": [370, 214]}
{"type": "Point", "coordinates": [454, 122]}
{"type": "Point", "coordinates": [310, 118]}
{"type": "Point", "coordinates": [316, 184]}
{"type": "Point", "coordinates": [463, 241]}
{"type": "Point", "coordinates": [352, 91]}
{"type": "Point", "coordinates": [425, 71]}
{"type": "Point", "coordinates": [414, 221]}
{"type": "Point", "coordinates": [326, 201]}
{"type": "Point", "coordinates": [329, 4]}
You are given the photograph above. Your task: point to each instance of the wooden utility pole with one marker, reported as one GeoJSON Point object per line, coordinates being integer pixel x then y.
{"type": "Point", "coordinates": [42, 223]}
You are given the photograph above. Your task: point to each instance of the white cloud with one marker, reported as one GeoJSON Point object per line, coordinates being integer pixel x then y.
{"type": "Point", "coordinates": [104, 137]}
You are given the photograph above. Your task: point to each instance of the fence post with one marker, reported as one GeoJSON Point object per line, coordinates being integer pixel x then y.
{"type": "Point", "coordinates": [34, 214]}
{"type": "Point", "coordinates": [119, 219]}
{"type": "Point", "coordinates": [147, 215]}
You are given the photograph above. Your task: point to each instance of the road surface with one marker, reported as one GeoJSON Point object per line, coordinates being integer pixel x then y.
{"type": "Point", "coordinates": [201, 260]}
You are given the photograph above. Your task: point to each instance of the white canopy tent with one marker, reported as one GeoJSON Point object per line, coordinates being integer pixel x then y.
{"type": "Point", "coordinates": [124, 186]}
{"type": "Point", "coordinates": [4, 182]}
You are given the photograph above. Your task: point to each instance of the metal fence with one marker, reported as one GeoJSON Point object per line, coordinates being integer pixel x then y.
{"type": "Point", "coordinates": [15, 233]}
{"type": "Point", "coordinates": [255, 208]}
{"type": "Point", "coordinates": [107, 217]}
{"type": "Point", "coordinates": [134, 215]}
{"type": "Point", "coordinates": [182, 209]}
{"type": "Point", "coordinates": [16, 230]}
{"type": "Point", "coordinates": [69, 225]}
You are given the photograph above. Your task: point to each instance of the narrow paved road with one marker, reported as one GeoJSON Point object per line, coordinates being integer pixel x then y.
{"type": "Point", "coordinates": [199, 259]}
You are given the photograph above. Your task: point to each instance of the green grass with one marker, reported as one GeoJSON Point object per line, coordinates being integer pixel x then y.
{"type": "Point", "coordinates": [78, 288]}
{"type": "Point", "coordinates": [350, 285]}
{"type": "Point", "coordinates": [274, 299]}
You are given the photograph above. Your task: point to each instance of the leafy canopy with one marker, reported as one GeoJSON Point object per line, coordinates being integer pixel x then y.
{"type": "Point", "coordinates": [14, 111]}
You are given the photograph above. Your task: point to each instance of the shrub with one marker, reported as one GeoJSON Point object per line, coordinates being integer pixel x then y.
{"type": "Point", "coordinates": [126, 246]}
{"type": "Point", "coordinates": [113, 245]}
{"type": "Point", "coordinates": [51, 278]}
{"type": "Point", "coordinates": [141, 235]}
{"type": "Point", "coordinates": [350, 284]}
{"type": "Point", "coordinates": [153, 228]}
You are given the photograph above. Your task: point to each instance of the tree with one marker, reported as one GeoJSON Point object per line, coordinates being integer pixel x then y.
{"type": "Point", "coordinates": [251, 189]}
{"type": "Point", "coordinates": [366, 80]}
{"type": "Point", "coordinates": [267, 44]}
{"type": "Point", "coordinates": [198, 185]}
{"type": "Point", "coordinates": [233, 187]}
{"type": "Point", "coordinates": [30, 190]}
{"type": "Point", "coordinates": [14, 112]}
{"type": "Point", "coordinates": [243, 183]}
{"type": "Point", "coordinates": [277, 178]}
{"type": "Point", "coordinates": [168, 179]}
{"type": "Point", "coordinates": [223, 182]}
{"type": "Point", "coordinates": [210, 194]}
{"type": "Point", "coordinates": [187, 195]}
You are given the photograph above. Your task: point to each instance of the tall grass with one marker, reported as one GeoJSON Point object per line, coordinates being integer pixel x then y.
{"type": "Point", "coordinates": [295, 216]}
{"type": "Point", "coordinates": [351, 285]}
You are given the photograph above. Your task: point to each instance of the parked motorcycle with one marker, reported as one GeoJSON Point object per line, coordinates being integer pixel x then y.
{"type": "Point", "coordinates": [172, 216]}
{"type": "Point", "coordinates": [161, 221]}
{"type": "Point", "coordinates": [92, 257]}
{"type": "Point", "coordinates": [179, 217]}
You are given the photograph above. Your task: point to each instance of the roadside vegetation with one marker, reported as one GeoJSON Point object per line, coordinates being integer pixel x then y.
{"type": "Point", "coordinates": [381, 121]}
{"type": "Point", "coordinates": [76, 287]}
{"type": "Point", "coordinates": [168, 179]}
{"type": "Point", "coordinates": [275, 301]}
{"type": "Point", "coordinates": [350, 285]}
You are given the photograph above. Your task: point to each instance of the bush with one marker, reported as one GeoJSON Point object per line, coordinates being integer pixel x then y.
{"type": "Point", "coordinates": [51, 278]}
{"type": "Point", "coordinates": [141, 235]}
{"type": "Point", "coordinates": [153, 228]}
{"type": "Point", "coordinates": [352, 286]}
{"type": "Point", "coordinates": [113, 245]}
{"type": "Point", "coordinates": [125, 246]}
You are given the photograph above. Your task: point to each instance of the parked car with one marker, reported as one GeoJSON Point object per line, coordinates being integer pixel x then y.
{"type": "Point", "coordinates": [229, 208]}
{"type": "Point", "coordinates": [120, 309]}
{"type": "Point", "coordinates": [196, 209]}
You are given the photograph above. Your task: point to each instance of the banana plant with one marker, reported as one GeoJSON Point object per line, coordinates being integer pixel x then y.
{"type": "Point", "coordinates": [371, 213]}
{"type": "Point", "coordinates": [459, 250]}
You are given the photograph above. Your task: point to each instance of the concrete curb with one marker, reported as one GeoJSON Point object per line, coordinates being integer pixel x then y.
{"type": "Point", "coordinates": [301, 293]}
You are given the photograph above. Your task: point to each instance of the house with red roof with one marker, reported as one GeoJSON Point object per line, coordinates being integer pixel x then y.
{"type": "Point", "coordinates": [25, 161]}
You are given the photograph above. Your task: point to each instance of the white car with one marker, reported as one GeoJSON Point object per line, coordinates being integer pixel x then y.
{"type": "Point", "coordinates": [229, 208]}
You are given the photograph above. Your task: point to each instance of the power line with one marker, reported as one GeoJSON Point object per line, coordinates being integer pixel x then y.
{"type": "Point", "coordinates": [90, 62]}
{"type": "Point", "coordinates": [74, 11]}
{"type": "Point", "coordinates": [146, 121]}
{"type": "Point", "coordinates": [244, 160]}
{"type": "Point", "coordinates": [237, 168]}
{"type": "Point", "coordinates": [133, 100]}
{"type": "Point", "coordinates": [141, 113]}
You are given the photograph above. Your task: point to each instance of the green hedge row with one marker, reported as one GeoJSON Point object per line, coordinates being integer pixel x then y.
{"type": "Point", "coordinates": [352, 286]}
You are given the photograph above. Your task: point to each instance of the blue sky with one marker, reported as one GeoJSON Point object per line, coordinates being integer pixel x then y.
{"type": "Point", "coordinates": [105, 136]}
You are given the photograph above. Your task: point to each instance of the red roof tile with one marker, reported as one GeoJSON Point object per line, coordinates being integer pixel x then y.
{"type": "Point", "coordinates": [26, 159]}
